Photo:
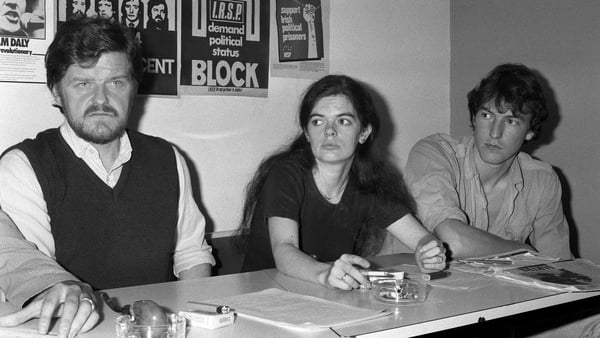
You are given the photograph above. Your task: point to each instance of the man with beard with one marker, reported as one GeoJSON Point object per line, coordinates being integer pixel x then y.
{"type": "Point", "coordinates": [158, 15]}
{"type": "Point", "coordinates": [11, 17]}
{"type": "Point", "coordinates": [77, 8]}
{"type": "Point", "coordinates": [107, 9]}
{"type": "Point", "coordinates": [131, 11]}
{"type": "Point", "coordinates": [112, 206]}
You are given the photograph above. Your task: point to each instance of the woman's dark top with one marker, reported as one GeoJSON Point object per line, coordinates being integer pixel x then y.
{"type": "Point", "coordinates": [326, 230]}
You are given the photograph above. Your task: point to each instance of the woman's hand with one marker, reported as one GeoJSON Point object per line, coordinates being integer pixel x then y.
{"type": "Point", "coordinates": [430, 254]}
{"type": "Point", "coordinates": [344, 275]}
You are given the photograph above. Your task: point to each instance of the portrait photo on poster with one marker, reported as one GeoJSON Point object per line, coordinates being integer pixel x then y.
{"type": "Point", "coordinates": [156, 15]}
{"type": "Point", "coordinates": [23, 18]}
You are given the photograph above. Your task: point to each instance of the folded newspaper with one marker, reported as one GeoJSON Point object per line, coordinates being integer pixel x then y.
{"type": "Point", "coordinates": [534, 269]}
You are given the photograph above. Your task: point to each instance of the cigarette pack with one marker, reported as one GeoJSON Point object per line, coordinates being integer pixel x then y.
{"type": "Point", "coordinates": [208, 320]}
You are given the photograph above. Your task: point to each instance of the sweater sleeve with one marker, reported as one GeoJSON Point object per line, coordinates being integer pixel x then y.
{"type": "Point", "coordinates": [24, 270]}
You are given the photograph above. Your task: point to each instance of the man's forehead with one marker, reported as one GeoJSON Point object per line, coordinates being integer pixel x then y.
{"type": "Point", "coordinates": [108, 60]}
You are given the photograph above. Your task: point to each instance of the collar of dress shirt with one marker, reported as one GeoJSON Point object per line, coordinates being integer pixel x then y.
{"type": "Point", "coordinates": [80, 146]}
{"type": "Point", "coordinates": [515, 172]}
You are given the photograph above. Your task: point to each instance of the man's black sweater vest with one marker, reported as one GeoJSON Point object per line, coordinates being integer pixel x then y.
{"type": "Point", "coordinates": [110, 237]}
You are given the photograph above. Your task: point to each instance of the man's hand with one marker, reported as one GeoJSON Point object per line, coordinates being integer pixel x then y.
{"type": "Point", "coordinates": [430, 254]}
{"type": "Point", "coordinates": [72, 301]}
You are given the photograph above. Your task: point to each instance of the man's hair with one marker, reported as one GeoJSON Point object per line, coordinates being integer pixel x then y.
{"type": "Point", "coordinates": [82, 41]}
{"type": "Point", "coordinates": [153, 3]}
{"type": "Point", "coordinates": [124, 12]}
{"type": "Point", "coordinates": [114, 4]}
{"type": "Point", "coordinates": [70, 7]}
{"type": "Point", "coordinates": [511, 87]}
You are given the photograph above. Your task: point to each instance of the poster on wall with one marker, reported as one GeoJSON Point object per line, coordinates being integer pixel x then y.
{"type": "Point", "coordinates": [154, 23]}
{"type": "Point", "coordinates": [302, 41]}
{"type": "Point", "coordinates": [225, 47]}
{"type": "Point", "coordinates": [24, 38]}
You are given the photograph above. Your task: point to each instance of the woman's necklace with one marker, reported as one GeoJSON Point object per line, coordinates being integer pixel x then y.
{"type": "Point", "coordinates": [337, 195]}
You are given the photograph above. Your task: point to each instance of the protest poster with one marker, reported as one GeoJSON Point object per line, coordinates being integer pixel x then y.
{"type": "Point", "coordinates": [225, 47]}
{"type": "Point", "coordinates": [154, 24]}
{"type": "Point", "coordinates": [24, 38]}
{"type": "Point", "coordinates": [301, 47]}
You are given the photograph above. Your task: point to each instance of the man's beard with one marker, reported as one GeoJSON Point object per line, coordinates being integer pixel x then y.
{"type": "Point", "coordinates": [78, 14]}
{"type": "Point", "coordinates": [159, 24]}
{"type": "Point", "coordinates": [99, 132]}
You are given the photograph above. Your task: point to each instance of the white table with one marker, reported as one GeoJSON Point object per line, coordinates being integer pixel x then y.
{"type": "Point", "coordinates": [444, 308]}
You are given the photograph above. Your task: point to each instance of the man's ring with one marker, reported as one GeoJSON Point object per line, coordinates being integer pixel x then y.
{"type": "Point", "coordinates": [89, 300]}
{"type": "Point", "coordinates": [343, 276]}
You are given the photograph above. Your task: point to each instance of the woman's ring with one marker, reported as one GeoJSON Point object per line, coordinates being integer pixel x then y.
{"type": "Point", "coordinates": [89, 300]}
{"type": "Point", "coordinates": [343, 276]}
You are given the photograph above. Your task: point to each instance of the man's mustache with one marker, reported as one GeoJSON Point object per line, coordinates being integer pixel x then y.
{"type": "Point", "coordinates": [105, 108]}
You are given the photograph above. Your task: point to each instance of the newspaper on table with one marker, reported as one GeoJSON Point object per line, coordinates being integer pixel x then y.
{"type": "Point", "coordinates": [283, 308]}
{"type": "Point", "coordinates": [534, 269]}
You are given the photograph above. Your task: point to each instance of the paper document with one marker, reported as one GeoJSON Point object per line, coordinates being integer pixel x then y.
{"type": "Point", "coordinates": [284, 308]}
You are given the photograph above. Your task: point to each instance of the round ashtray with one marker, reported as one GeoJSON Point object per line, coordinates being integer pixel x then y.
{"type": "Point", "coordinates": [175, 328]}
{"type": "Point", "coordinates": [399, 291]}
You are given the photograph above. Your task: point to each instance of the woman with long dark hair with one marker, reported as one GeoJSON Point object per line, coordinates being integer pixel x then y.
{"type": "Point", "coordinates": [325, 198]}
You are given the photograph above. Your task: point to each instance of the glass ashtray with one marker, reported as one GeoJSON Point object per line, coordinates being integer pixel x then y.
{"type": "Point", "coordinates": [399, 291]}
{"type": "Point", "coordinates": [128, 328]}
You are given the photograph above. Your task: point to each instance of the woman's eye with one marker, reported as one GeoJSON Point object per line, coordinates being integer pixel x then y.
{"type": "Point", "coordinates": [513, 122]}
{"type": "Point", "coordinates": [316, 122]}
{"type": "Point", "coordinates": [345, 122]}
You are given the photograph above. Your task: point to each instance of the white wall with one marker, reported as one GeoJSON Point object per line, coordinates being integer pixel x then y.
{"type": "Point", "coordinates": [401, 49]}
{"type": "Point", "coordinates": [561, 40]}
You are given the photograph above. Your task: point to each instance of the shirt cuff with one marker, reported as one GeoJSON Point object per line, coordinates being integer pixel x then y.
{"type": "Point", "coordinates": [187, 261]}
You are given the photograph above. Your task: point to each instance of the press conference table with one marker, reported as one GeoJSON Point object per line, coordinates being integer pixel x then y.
{"type": "Point", "coordinates": [445, 308]}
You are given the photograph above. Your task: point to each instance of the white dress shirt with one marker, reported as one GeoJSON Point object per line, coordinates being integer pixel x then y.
{"type": "Point", "coordinates": [22, 198]}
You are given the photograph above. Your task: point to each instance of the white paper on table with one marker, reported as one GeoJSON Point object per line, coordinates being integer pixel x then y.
{"type": "Point", "coordinates": [283, 308]}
